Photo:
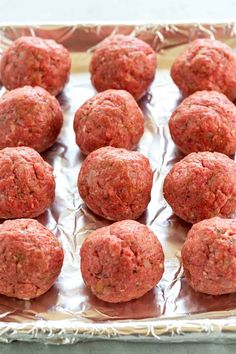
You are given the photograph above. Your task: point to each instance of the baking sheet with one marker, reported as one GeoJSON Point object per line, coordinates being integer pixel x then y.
{"type": "Point", "coordinates": [69, 312]}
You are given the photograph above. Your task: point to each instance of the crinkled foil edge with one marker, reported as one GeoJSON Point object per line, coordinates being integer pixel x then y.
{"type": "Point", "coordinates": [160, 35]}
{"type": "Point", "coordinates": [169, 331]}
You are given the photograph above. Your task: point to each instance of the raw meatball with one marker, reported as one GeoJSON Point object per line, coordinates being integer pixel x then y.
{"type": "Point", "coordinates": [122, 261]}
{"type": "Point", "coordinates": [27, 186]}
{"type": "Point", "coordinates": [206, 65]}
{"type": "Point", "coordinates": [209, 256]}
{"type": "Point", "coordinates": [116, 183]}
{"type": "Point", "coordinates": [29, 116]}
{"type": "Point", "coordinates": [30, 258]}
{"type": "Point", "coordinates": [201, 186]}
{"type": "Point", "coordinates": [205, 121]}
{"type": "Point", "coordinates": [123, 62]}
{"type": "Point", "coordinates": [36, 62]}
{"type": "Point", "coordinates": [109, 118]}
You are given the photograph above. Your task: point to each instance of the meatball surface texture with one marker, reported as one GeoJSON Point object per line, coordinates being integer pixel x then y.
{"type": "Point", "coordinates": [201, 186]}
{"type": "Point", "coordinates": [29, 116]}
{"type": "Point", "coordinates": [31, 258]}
{"type": "Point", "coordinates": [36, 62]}
{"type": "Point", "coordinates": [116, 183]}
{"type": "Point", "coordinates": [27, 185]}
{"type": "Point", "coordinates": [122, 261]}
{"type": "Point", "coordinates": [123, 62]}
{"type": "Point", "coordinates": [110, 118]}
{"type": "Point", "coordinates": [205, 121]}
{"type": "Point", "coordinates": [209, 256]}
{"type": "Point", "coordinates": [206, 64]}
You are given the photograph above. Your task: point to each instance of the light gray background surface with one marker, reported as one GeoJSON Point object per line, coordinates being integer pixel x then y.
{"type": "Point", "coordinates": [120, 11]}
{"type": "Point", "coordinates": [107, 347]}
{"type": "Point", "coordinates": [115, 10]}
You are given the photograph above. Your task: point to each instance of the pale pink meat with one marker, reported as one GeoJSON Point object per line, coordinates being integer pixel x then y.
{"type": "Point", "coordinates": [30, 258]}
{"type": "Point", "coordinates": [29, 116]}
{"type": "Point", "coordinates": [109, 118]}
{"type": "Point", "coordinates": [204, 121]}
{"type": "Point", "coordinates": [206, 64]}
{"type": "Point", "coordinates": [116, 183]}
{"type": "Point", "coordinates": [201, 186]}
{"type": "Point", "coordinates": [27, 185]}
{"type": "Point", "coordinates": [122, 261]}
{"type": "Point", "coordinates": [36, 62]}
{"type": "Point", "coordinates": [209, 256]}
{"type": "Point", "coordinates": [123, 62]}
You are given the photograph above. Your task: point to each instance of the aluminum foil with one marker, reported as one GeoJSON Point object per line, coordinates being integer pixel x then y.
{"type": "Point", "coordinates": [68, 312]}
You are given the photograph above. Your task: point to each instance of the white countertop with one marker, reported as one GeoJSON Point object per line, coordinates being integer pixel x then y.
{"type": "Point", "coordinates": [115, 10]}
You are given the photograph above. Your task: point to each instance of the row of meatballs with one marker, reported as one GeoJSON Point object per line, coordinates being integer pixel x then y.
{"type": "Point", "coordinates": [31, 256]}
{"type": "Point", "coordinates": [116, 184]}
{"type": "Point", "coordinates": [122, 68]}
{"type": "Point", "coordinates": [124, 260]}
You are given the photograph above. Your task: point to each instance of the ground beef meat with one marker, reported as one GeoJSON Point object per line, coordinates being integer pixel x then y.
{"type": "Point", "coordinates": [116, 183]}
{"type": "Point", "coordinates": [205, 121]}
{"type": "Point", "coordinates": [206, 65]}
{"type": "Point", "coordinates": [27, 186]}
{"type": "Point", "coordinates": [201, 186]}
{"type": "Point", "coordinates": [209, 256]}
{"type": "Point", "coordinates": [123, 62]}
{"type": "Point", "coordinates": [36, 62]}
{"type": "Point", "coordinates": [29, 116]}
{"type": "Point", "coordinates": [122, 261]}
{"type": "Point", "coordinates": [30, 258]}
{"type": "Point", "coordinates": [110, 118]}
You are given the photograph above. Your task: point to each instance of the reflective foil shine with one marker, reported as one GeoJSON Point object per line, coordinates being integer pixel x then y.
{"type": "Point", "coordinates": [68, 312]}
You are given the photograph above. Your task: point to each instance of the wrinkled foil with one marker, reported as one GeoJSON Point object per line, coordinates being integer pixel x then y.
{"type": "Point", "coordinates": [68, 312]}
